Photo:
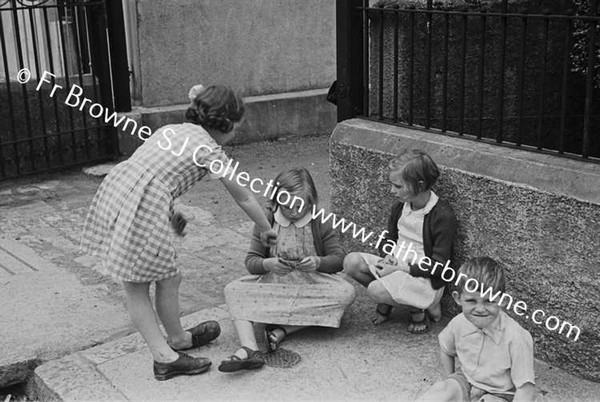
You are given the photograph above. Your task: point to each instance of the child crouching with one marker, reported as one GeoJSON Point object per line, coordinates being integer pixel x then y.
{"type": "Point", "coordinates": [495, 352]}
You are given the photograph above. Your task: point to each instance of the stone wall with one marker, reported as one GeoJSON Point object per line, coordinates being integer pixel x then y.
{"type": "Point", "coordinates": [539, 215]}
{"type": "Point", "coordinates": [258, 47]}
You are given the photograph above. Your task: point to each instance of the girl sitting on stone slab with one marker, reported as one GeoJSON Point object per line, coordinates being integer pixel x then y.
{"type": "Point", "coordinates": [416, 246]}
{"type": "Point", "coordinates": [293, 284]}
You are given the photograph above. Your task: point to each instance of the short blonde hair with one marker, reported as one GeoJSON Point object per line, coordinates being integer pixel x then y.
{"type": "Point", "coordinates": [486, 271]}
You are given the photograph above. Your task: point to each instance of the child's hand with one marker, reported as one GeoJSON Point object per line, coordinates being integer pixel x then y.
{"type": "Point", "coordinates": [268, 238]}
{"type": "Point", "coordinates": [389, 259]}
{"type": "Point", "coordinates": [274, 265]}
{"type": "Point", "coordinates": [178, 223]}
{"type": "Point", "coordinates": [386, 269]}
{"type": "Point", "coordinates": [309, 264]}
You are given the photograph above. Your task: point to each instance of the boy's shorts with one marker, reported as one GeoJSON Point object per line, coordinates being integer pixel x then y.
{"type": "Point", "coordinates": [466, 388]}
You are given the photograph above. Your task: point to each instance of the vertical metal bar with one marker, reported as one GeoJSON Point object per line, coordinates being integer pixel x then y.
{"type": "Point", "coordinates": [349, 49]}
{"type": "Point", "coordinates": [118, 55]}
{"type": "Point", "coordinates": [88, 40]}
{"type": "Point", "coordinates": [54, 99]}
{"type": "Point", "coordinates": [67, 81]}
{"type": "Point", "coordinates": [411, 70]}
{"type": "Point", "coordinates": [542, 86]}
{"type": "Point", "coordinates": [428, 66]}
{"type": "Point", "coordinates": [380, 61]}
{"type": "Point", "coordinates": [445, 74]}
{"type": "Point", "coordinates": [39, 75]}
{"type": "Point", "coordinates": [565, 87]}
{"type": "Point", "coordinates": [80, 76]}
{"type": "Point", "coordinates": [23, 86]}
{"type": "Point", "coordinates": [366, 63]}
{"type": "Point", "coordinates": [481, 77]}
{"type": "Point", "coordinates": [10, 103]}
{"type": "Point", "coordinates": [94, 73]}
{"type": "Point", "coordinates": [589, 83]}
{"type": "Point", "coordinates": [521, 85]}
{"type": "Point", "coordinates": [463, 72]}
{"type": "Point", "coordinates": [396, 51]}
{"type": "Point", "coordinates": [504, 22]}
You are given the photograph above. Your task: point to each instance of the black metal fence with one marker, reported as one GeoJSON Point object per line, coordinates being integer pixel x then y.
{"type": "Point", "coordinates": [516, 74]}
{"type": "Point", "coordinates": [49, 47]}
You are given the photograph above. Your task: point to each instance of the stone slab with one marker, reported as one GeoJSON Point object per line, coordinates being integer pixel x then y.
{"type": "Point", "coordinates": [356, 362]}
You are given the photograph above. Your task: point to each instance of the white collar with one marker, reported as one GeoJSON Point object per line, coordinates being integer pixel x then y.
{"type": "Point", "coordinates": [433, 199]}
{"type": "Point", "coordinates": [285, 222]}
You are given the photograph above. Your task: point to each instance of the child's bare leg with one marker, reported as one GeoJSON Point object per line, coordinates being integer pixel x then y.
{"type": "Point", "coordinates": [144, 319]}
{"type": "Point", "coordinates": [436, 312]}
{"type": "Point", "coordinates": [245, 332]}
{"type": "Point", "coordinates": [356, 267]}
{"type": "Point", "coordinates": [167, 307]}
{"type": "Point", "coordinates": [278, 334]}
{"type": "Point", "coordinates": [447, 390]}
{"type": "Point", "coordinates": [380, 295]}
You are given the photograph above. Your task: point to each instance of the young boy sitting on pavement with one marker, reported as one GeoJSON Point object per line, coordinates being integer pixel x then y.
{"type": "Point", "coordinates": [495, 352]}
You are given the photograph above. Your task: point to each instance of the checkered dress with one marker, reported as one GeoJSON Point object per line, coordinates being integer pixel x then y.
{"type": "Point", "coordinates": [128, 224]}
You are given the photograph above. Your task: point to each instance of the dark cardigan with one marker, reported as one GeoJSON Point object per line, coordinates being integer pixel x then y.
{"type": "Point", "coordinates": [439, 226]}
{"type": "Point", "coordinates": [326, 244]}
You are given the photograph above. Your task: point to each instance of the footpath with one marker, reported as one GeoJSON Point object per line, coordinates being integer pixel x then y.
{"type": "Point", "coordinates": [65, 330]}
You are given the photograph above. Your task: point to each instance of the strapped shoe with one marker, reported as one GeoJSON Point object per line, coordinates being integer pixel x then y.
{"type": "Point", "coordinates": [254, 360]}
{"type": "Point", "coordinates": [184, 365]}
{"type": "Point", "coordinates": [203, 333]}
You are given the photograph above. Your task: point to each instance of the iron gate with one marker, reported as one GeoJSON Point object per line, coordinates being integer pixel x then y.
{"type": "Point", "coordinates": [49, 49]}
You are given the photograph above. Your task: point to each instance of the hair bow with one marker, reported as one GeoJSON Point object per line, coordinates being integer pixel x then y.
{"type": "Point", "coordinates": [195, 91]}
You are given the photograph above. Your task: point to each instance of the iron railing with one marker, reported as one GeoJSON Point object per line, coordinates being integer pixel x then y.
{"type": "Point", "coordinates": [504, 75]}
{"type": "Point", "coordinates": [79, 42]}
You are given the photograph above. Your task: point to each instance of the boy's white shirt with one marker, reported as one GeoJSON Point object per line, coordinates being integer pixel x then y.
{"type": "Point", "coordinates": [461, 327]}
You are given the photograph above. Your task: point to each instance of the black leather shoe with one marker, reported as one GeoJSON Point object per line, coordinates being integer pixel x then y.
{"type": "Point", "coordinates": [184, 365]}
{"type": "Point", "coordinates": [204, 333]}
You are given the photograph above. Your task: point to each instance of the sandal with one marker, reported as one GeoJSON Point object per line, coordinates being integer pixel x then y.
{"type": "Point", "coordinates": [425, 321]}
{"type": "Point", "coordinates": [272, 340]}
{"type": "Point", "coordinates": [383, 313]}
{"type": "Point", "coordinates": [253, 360]}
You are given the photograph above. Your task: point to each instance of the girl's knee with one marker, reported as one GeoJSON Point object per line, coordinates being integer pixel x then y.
{"type": "Point", "coordinates": [353, 263]}
{"type": "Point", "coordinates": [231, 289]}
{"type": "Point", "coordinates": [347, 294]}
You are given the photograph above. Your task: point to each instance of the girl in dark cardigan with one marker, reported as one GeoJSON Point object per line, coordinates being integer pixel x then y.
{"type": "Point", "coordinates": [293, 284]}
{"type": "Point", "coordinates": [416, 248]}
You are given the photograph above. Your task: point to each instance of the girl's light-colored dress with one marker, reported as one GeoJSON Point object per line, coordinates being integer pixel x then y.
{"type": "Point", "coordinates": [296, 298]}
{"type": "Point", "coordinates": [401, 285]}
{"type": "Point", "coordinates": [128, 224]}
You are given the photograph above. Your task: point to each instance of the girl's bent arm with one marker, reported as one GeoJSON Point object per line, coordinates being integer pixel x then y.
{"type": "Point", "coordinates": [246, 200]}
{"type": "Point", "coordinates": [256, 255]}
{"type": "Point", "coordinates": [333, 259]}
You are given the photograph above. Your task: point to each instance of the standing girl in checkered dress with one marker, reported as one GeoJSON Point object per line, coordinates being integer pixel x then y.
{"type": "Point", "coordinates": [132, 225]}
